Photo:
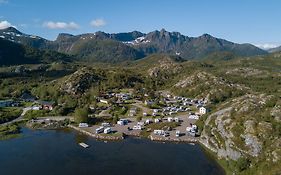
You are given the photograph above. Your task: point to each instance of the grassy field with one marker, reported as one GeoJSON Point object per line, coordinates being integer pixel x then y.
{"type": "Point", "coordinates": [9, 113]}
{"type": "Point", "coordinates": [9, 131]}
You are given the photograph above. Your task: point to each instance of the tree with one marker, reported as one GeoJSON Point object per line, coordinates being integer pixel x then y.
{"type": "Point", "coordinates": [81, 115]}
{"type": "Point", "coordinates": [242, 164]}
{"type": "Point", "coordinates": [115, 119]}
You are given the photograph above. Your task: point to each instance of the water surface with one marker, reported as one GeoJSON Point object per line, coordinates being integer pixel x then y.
{"type": "Point", "coordinates": [56, 152]}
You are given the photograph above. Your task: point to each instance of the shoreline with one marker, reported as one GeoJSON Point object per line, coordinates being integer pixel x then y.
{"type": "Point", "coordinates": [97, 136]}
{"type": "Point", "coordinates": [208, 151]}
{"type": "Point", "coordinates": [116, 137]}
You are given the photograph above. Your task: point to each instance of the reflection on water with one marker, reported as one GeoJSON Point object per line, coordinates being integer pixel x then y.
{"type": "Point", "coordinates": [56, 152]}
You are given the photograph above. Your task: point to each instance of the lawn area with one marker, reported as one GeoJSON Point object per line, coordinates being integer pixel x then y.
{"type": "Point", "coordinates": [9, 113]}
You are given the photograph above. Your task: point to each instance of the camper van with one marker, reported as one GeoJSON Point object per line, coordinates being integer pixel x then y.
{"type": "Point", "coordinates": [177, 133]}
{"type": "Point", "coordinates": [99, 130]}
{"type": "Point", "coordinates": [107, 130]}
{"type": "Point", "coordinates": [83, 125]}
{"type": "Point", "coordinates": [137, 127]}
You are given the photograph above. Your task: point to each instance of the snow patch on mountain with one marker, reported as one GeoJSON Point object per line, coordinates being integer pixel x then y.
{"type": "Point", "coordinates": [139, 40]}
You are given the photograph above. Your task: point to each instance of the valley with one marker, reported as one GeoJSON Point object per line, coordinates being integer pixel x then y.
{"type": "Point", "coordinates": [156, 85]}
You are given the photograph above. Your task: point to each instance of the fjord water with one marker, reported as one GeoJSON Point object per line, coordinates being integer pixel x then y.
{"type": "Point", "coordinates": [56, 152]}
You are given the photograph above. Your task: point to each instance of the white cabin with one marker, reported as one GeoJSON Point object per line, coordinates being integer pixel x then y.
{"type": "Point", "coordinates": [202, 110]}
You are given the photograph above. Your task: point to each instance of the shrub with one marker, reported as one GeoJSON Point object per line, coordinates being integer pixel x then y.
{"type": "Point", "coordinates": [242, 164]}
{"type": "Point", "coordinates": [81, 115]}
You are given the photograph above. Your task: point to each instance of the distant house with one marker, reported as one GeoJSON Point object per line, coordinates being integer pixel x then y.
{"type": "Point", "coordinates": [35, 108]}
{"type": "Point", "coordinates": [6, 103]}
{"type": "Point", "coordinates": [202, 110]}
{"type": "Point", "coordinates": [27, 97]}
{"type": "Point", "coordinates": [46, 105]}
{"type": "Point", "coordinates": [123, 96]}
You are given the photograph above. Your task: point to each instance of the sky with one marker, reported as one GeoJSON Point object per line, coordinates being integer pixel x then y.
{"type": "Point", "coordinates": [241, 21]}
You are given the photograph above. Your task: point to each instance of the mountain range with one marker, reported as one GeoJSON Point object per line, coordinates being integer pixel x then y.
{"type": "Point", "coordinates": [119, 47]}
{"type": "Point", "coordinates": [276, 49]}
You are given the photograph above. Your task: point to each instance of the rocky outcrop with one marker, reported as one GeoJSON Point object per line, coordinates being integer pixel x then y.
{"type": "Point", "coordinates": [276, 112]}
{"type": "Point", "coordinates": [231, 134]}
{"type": "Point", "coordinates": [79, 81]}
{"type": "Point", "coordinates": [165, 64]}
{"type": "Point", "coordinates": [219, 140]}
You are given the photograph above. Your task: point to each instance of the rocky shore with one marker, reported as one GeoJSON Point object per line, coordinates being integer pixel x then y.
{"type": "Point", "coordinates": [97, 136]}
{"type": "Point", "coordinates": [168, 139]}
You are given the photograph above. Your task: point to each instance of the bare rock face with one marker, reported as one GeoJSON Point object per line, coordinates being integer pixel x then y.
{"type": "Point", "coordinates": [165, 64]}
{"type": "Point", "coordinates": [232, 131]}
{"type": "Point", "coordinates": [249, 126]}
{"type": "Point", "coordinates": [248, 72]}
{"type": "Point", "coordinates": [216, 85]}
{"type": "Point", "coordinates": [79, 82]}
{"type": "Point", "coordinates": [253, 143]}
{"type": "Point", "coordinates": [276, 113]}
{"type": "Point", "coordinates": [220, 139]}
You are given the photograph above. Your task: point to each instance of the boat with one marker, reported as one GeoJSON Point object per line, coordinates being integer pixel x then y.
{"type": "Point", "coordinates": [84, 145]}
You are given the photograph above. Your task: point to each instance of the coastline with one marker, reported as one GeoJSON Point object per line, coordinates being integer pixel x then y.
{"type": "Point", "coordinates": [117, 137]}
{"type": "Point", "coordinates": [209, 152]}
{"type": "Point", "coordinates": [97, 136]}
{"type": "Point", "coordinates": [221, 162]}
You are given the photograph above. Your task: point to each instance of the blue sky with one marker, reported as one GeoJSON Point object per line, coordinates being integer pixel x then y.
{"type": "Point", "coordinates": [242, 21]}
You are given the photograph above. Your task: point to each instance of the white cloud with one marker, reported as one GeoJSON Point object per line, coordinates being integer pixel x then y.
{"type": "Point", "coordinates": [98, 23]}
{"type": "Point", "coordinates": [5, 24]}
{"type": "Point", "coordinates": [267, 46]}
{"type": "Point", "coordinates": [4, 1]}
{"type": "Point", "coordinates": [61, 25]}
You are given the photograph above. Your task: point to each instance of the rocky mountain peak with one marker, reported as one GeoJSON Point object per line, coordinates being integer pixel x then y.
{"type": "Point", "coordinates": [11, 29]}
